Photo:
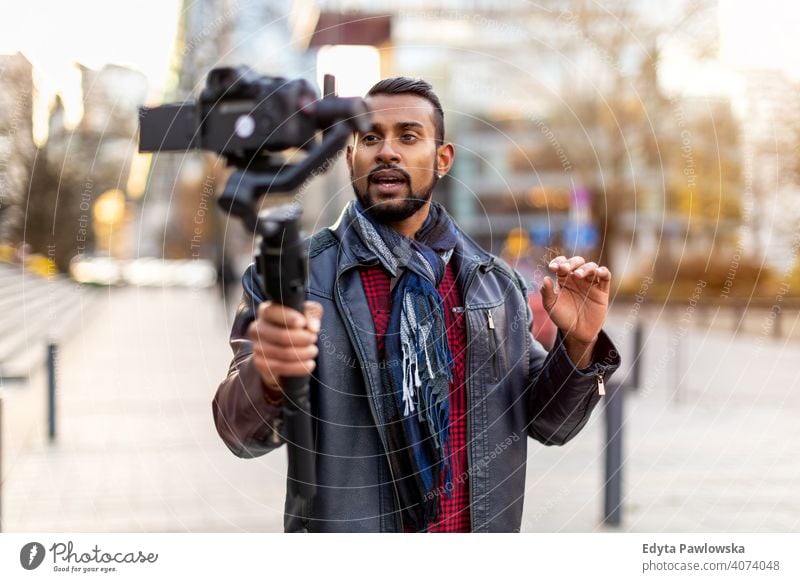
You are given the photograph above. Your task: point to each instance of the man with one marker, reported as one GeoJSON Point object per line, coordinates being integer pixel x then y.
{"type": "Point", "coordinates": [425, 380]}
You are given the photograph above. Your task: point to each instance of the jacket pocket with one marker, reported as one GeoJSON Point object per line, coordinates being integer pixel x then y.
{"type": "Point", "coordinates": [494, 350]}
{"type": "Point", "coordinates": [488, 341]}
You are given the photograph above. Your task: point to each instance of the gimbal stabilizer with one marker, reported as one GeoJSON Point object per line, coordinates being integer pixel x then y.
{"type": "Point", "coordinates": [244, 117]}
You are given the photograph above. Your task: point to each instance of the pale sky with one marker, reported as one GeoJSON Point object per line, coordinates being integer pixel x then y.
{"type": "Point", "coordinates": [54, 34]}
{"type": "Point", "coordinates": [761, 34]}
{"type": "Point", "coordinates": [754, 34]}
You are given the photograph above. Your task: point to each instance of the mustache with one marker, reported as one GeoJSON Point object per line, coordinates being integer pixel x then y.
{"type": "Point", "coordinates": [375, 170]}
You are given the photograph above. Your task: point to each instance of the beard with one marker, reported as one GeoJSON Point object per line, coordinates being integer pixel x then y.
{"type": "Point", "coordinates": [395, 210]}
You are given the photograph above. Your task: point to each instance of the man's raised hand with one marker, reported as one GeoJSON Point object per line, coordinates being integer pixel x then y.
{"type": "Point", "coordinates": [579, 304]}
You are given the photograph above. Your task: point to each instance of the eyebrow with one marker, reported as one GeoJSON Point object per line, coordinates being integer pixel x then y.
{"type": "Point", "coordinates": [401, 125]}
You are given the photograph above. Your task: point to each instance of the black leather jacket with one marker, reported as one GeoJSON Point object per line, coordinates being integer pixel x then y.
{"type": "Point", "coordinates": [514, 390]}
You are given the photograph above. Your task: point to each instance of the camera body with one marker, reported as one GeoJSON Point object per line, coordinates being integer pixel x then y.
{"type": "Point", "coordinates": [240, 114]}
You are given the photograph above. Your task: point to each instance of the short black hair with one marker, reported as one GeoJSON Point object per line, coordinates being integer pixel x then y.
{"type": "Point", "coordinates": [405, 85]}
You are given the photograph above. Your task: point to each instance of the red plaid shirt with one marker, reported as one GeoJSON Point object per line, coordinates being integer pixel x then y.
{"type": "Point", "coordinates": [454, 508]}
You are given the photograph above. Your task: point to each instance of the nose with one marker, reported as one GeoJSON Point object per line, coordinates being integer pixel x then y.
{"type": "Point", "coordinates": [386, 154]}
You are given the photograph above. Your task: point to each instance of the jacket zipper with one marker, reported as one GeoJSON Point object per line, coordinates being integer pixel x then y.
{"type": "Point", "coordinates": [492, 345]}
{"type": "Point", "coordinates": [601, 390]}
{"type": "Point", "coordinates": [340, 304]}
{"type": "Point", "coordinates": [601, 385]}
{"type": "Point", "coordinates": [468, 387]}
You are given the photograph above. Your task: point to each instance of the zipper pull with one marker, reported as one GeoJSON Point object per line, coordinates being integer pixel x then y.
{"type": "Point", "coordinates": [601, 385]}
{"type": "Point", "coordinates": [490, 318]}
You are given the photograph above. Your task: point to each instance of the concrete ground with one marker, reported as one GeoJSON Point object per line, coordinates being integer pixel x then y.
{"type": "Point", "coordinates": [136, 447]}
{"type": "Point", "coordinates": [137, 451]}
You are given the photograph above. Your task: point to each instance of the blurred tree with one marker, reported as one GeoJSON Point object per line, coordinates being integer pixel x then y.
{"type": "Point", "coordinates": [704, 167]}
{"type": "Point", "coordinates": [78, 164]}
{"type": "Point", "coordinates": [626, 133]}
{"type": "Point", "coordinates": [54, 223]}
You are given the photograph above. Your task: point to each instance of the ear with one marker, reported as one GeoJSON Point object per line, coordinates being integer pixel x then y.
{"type": "Point", "coordinates": [445, 156]}
{"type": "Point", "coordinates": [348, 155]}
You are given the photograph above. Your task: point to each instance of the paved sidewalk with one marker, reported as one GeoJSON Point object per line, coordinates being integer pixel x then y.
{"type": "Point", "coordinates": [137, 450]}
{"type": "Point", "coordinates": [722, 457]}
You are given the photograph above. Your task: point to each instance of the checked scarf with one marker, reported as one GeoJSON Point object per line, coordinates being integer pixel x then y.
{"type": "Point", "coordinates": [418, 368]}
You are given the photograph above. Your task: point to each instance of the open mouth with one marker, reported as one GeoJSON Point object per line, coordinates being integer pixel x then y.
{"type": "Point", "coordinates": [388, 181]}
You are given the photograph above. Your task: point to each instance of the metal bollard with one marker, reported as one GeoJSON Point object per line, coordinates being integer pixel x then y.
{"type": "Point", "coordinates": [612, 511]}
{"type": "Point", "coordinates": [678, 361]}
{"type": "Point", "coordinates": [52, 352]}
{"type": "Point", "coordinates": [636, 368]}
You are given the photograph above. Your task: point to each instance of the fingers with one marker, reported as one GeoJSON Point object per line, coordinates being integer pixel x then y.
{"type": "Point", "coordinates": [580, 269]}
{"type": "Point", "coordinates": [313, 313]}
{"type": "Point", "coordinates": [279, 315]}
{"type": "Point", "coordinates": [548, 292]}
{"type": "Point", "coordinates": [272, 370]}
{"type": "Point", "coordinates": [586, 271]}
{"type": "Point", "coordinates": [562, 266]}
{"type": "Point", "coordinates": [280, 354]}
{"type": "Point", "coordinates": [265, 332]}
{"type": "Point", "coordinates": [594, 274]}
{"type": "Point", "coordinates": [285, 341]}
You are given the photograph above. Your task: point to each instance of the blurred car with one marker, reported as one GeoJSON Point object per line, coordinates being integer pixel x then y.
{"type": "Point", "coordinates": [143, 272]}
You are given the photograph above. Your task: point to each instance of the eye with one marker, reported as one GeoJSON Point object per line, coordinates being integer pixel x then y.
{"type": "Point", "coordinates": [409, 137]}
{"type": "Point", "coordinates": [369, 139]}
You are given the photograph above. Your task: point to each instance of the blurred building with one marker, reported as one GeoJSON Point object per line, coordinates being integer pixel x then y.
{"type": "Point", "coordinates": [558, 117]}
{"type": "Point", "coordinates": [562, 128]}
{"type": "Point", "coordinates": [178, 216]}
{"type": "Point", "coordinates": [17, 149]}
{"type": "Point", "coordinates": [495, 85]}
{"type": "Point", "coordinates": [771, 141]}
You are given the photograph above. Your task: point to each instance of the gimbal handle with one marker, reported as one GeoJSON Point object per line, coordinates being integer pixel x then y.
{"type": "Point", "coordinates": [281, 265]}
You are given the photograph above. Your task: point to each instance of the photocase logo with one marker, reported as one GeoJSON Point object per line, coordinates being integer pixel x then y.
{"type": "Point", "coordinates": [31, 555]}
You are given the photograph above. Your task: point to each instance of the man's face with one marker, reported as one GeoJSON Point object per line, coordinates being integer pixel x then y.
{"type": "Point", "coordinates": [393, 166]}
